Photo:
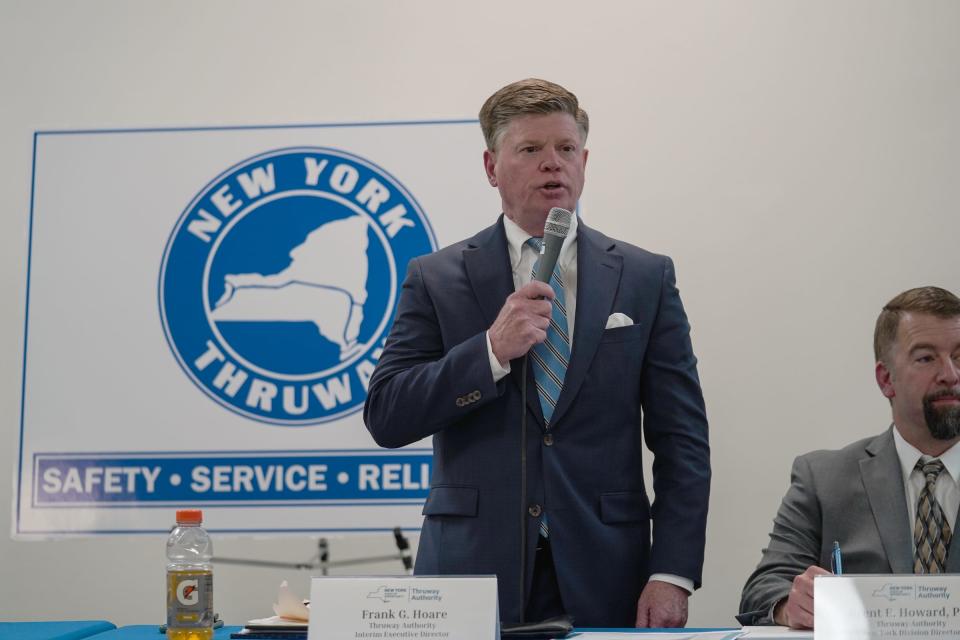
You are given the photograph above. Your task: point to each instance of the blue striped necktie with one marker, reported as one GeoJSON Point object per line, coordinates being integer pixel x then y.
{"type": "Point", "coordinates": [552, 357]}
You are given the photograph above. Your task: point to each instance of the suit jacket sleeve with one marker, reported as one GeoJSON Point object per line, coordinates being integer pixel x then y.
{"type": "Point", "coordinates": [415, 388]}
{"type": "Point", "coordinates": [675, 430]}
{"type": "Point", "coordinates": [794, 545]}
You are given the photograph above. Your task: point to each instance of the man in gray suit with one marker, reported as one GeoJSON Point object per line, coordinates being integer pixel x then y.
{"type": "Point", "coordinates": [891, 500]}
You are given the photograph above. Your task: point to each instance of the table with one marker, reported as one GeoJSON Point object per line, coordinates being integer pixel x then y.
{"type": "Point", "coordinates": [149, 632]}
{"type": "Point", "coordinates": [152, 632]}
{"type": "Point", "coordinates": [102, 630]}
{"type": "Point", "coordinates": [61, 630]}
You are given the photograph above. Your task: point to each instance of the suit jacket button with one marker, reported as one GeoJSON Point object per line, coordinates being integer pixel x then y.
{"type": "Point", "coordinates": [535, 510]}
{"type": "Point", "coordinates": [548, 439]}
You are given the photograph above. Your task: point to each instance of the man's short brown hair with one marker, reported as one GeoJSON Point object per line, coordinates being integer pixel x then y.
{"type": "Point", "coordinates": [932, 301]}
{"type": "Point", "coordinates": [524, 98]}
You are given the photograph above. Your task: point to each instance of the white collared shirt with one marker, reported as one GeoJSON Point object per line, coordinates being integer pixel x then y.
{"type": "Point", "coordinates": [946, 491]}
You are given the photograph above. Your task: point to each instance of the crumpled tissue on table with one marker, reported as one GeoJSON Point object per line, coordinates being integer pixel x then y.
{"type": "Point", "coordinates": [289, 606]}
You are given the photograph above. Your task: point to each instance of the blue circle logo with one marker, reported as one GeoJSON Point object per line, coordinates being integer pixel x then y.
{"type": "Point", "coordinates": [280, 281]}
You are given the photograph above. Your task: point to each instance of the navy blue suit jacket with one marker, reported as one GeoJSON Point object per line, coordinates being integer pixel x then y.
{"type": "Point", "coordinates": [434, 378]}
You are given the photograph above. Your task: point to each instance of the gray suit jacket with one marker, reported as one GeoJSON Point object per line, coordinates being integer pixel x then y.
{"type": "Point", "coordinates": [853, 496]}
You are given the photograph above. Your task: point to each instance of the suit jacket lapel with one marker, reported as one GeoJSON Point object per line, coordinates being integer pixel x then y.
{"type": "Point", "coordinates": [487, 263]}
{"type": "Point", "coordinates": [488, 269]}
{"type": "Point", "coordinates": [953, 553]}
{"type": "Point", "coordinates": [598, 276]}
{"type": "Point", "coordinates": [883, 480]}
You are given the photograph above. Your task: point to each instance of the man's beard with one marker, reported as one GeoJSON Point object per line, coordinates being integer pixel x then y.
{"type": "Point", "coordinates": [944, 423]}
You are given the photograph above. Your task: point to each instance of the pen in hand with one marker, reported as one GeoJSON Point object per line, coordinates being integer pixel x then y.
{"type": "Point", "coordinates": [836, 560]}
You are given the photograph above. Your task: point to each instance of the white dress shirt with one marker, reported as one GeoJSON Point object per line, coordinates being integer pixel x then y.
{"type": "Point", "coordinates": [522, 259]}
{"type": "Point", "coordinates": [946, 491]}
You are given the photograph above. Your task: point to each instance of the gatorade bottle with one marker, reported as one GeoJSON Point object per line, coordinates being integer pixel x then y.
{"type": "Point", "coordinates": [189, 579]}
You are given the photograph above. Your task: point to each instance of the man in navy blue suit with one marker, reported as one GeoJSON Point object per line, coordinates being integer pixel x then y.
{"type": "Point", "coordinates": [591, 544]}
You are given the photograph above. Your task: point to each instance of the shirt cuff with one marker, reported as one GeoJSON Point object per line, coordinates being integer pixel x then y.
{"type": "Point", "coordinates": [684, 583]}
{"type": "Point", "coordinates": [499, 372]}
{"type": "Point", "coordinates": [773, 611]}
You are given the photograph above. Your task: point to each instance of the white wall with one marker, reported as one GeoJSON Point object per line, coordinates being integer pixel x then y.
{"type": "Point", "coordinates": [799, 160]}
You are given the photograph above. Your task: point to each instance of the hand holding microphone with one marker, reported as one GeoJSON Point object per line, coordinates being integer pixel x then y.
{"type": "Point", "coordinates": [522, 321]}
{"type": "Point", "coordinates": [525, 316]}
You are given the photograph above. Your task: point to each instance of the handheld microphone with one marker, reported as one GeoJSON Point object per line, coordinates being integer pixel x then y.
{"type": "Point", "coordinates": [554, 232]}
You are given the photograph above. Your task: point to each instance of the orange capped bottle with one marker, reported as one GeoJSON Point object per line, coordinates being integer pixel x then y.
{"type": "Point", "coordinates": [189, 579]}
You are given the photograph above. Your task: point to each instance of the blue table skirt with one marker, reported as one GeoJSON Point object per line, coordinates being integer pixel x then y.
{"type": "Point", "coordinates": [65, 630]}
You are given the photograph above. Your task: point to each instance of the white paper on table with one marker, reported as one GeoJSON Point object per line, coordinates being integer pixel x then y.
{"type": "Point", "coordinates": [277, 621]}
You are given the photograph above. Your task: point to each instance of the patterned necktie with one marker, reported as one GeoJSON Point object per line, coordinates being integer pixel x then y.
{"type": "Point", "coordinates": [551, 357]}
{"type": "Point", "coordinates": [931, 533]}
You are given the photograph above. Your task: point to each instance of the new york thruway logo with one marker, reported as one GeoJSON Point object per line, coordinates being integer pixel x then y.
{"type": "Point", "coordinates": [280, 280]}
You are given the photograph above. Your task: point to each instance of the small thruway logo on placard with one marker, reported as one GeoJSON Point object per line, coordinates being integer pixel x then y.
{"type": "Point", "coordinates": [280, 280]}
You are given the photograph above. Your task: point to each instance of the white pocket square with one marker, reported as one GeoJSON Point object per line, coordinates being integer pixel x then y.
{"type": "Point", "coordinates": [618, 320]}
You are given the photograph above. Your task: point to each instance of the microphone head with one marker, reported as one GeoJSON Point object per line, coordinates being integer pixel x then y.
{"type": "Point", "coordinates": [558, 223]}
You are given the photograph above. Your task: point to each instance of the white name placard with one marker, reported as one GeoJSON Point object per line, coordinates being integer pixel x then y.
{"type": "Point", "coordinates": [404, 608]}
{"type": "Point", "coordinates": [871, 607]}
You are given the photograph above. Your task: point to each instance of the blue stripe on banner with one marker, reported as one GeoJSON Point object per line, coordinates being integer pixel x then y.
{"type": "Point", "coordinates": [63, 480]}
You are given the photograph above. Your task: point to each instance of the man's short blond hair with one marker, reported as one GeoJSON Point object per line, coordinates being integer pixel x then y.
{"type": "Point", "coordinates": [932, 301]}
{"type": "Point", "coordinates": [524, 98]}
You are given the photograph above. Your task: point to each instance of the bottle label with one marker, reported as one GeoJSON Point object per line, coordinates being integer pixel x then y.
{"type": "Point", "coordinates": [190, 599]}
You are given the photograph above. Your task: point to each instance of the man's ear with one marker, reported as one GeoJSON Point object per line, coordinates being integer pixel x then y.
{"type": "Point", "coordinates": [885, 379]}
{"type": "Point", "coordinates": [490, 166]}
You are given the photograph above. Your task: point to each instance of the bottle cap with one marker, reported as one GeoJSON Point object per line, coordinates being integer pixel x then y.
{"type": "Point", "coordinates": [189, 516]}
